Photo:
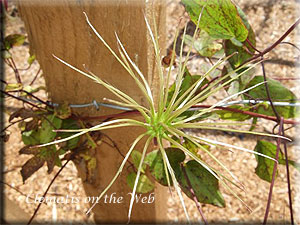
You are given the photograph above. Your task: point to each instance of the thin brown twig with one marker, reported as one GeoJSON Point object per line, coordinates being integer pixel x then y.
{"type": "Point", "coordinates": [36, 75]}
{"type": "Point", "coordinates": [288, 180]}
{"type": "Point", "coordinates": [289, 43]}
{"type": "Point", "coordinates": [12, 123]}
{"type": "Point", "coordinates": [11, 170]}
{"type": "Point", "coordinates": [17, 190]}
{"type": "Point", "coordinates": [20, 99]}
{"type": "Point", "coordinates": [113, 145]}
{"type": "Point", "coordinates": [16, 71]}
{"type": "Point", "coordinates": [45, 193]}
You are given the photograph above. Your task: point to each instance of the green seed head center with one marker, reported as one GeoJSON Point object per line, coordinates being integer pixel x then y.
{"type": "Point", "coordinates": [156, 128]}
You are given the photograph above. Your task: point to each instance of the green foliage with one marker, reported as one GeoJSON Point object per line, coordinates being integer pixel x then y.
{"type": "Point", "coordinates": [31, 59]}
{"type": "Point", "coordinates": [136, 158]}
{"type": "Point", "coordinates": [13, 87]}
{"type": "Point", "coordinates": [204, 184]}
{"type": "Point", "coordinates": [63, 111]}
{"type": "Point", "coordinates": [144, 184]}
{"type": "Point", "coordinates": [39, 130]}
{"type": "Point", "coordinates": [49, 123]}
{"type": "Point", "coordinates": [69, 124]}
{"type": "Point", "coordinates": [220, 18]}
{"type": "Point", "coordinates": [264, 168]}
{"type": "Point", "coordinates": [155, 162]}
{"type": "Point", "coordinates": [243, 55]}
{"type": "Point", "coordinates": [13, 40]}
{"type": "Point", "coordinates": [188, 81]}
{"type": "Point", "coordinates": [234, 116]}
{"type": "Point", "coordinates": [30, 137]}
{"type": "Point", "coordinates": [205, 45]}
{"type": "Point", "coordinates": [278, 93]}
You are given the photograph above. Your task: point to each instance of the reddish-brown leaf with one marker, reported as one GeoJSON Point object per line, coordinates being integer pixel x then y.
{"type": "Point", "coordinates": [31, 166]}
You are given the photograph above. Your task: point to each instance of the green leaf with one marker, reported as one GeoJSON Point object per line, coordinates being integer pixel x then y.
{"type": "Point", "coordinates": [235, 116]}
{"type": "Point", "coordinates": [47, 152]}
{"type": "Point", "coordinates": [136, 158]}
{"type": "Point", "coordinates": [233, 88]}
{"type": "Point", "coordinates": [31, 166]}
{"type": "Point", "coordinates": [278, 93]}
{"type": "Point", "coordinates": [155, 162]}
{"type": "Point", "coordinates": [144, 184]}
{"type": "Point", "coordinates": [156, 165]}
{"type": "Point", "coordinates": [72, 125]}
{"type": "Point", "coordinates": [14, 87]}
{"type": "Point", "coordinates": [91, 166]}
{"type": "Point", "coordinates": [6, 54]}
{"type": "Point", "coordinates": [204, 184]}
{"type": "Point", "coordinates": [220, 18]}
{"type": "Point", "coordinates": [31, 59]}
{"type": "Point", "coordinates": [48, 125]}
{"type": "Point", "coordinates": [29, 89]}
{"type": "Point", "coordinates": [31, 137]}
{"type": "Point", "coordinates": [190, 146]}
{"type": "Point", "coordinates": [188, 81]}
{"type": "Point", "coordinates": [236, 42]}
{"type": "Point", "coordinates": [13, 40]}
{"type": "Point", "coordinates": [63, 111]}
{"type": "Point", "coordinates": [264, 168]}
{"type": "Point", "coordinates": [205, 44]}
{"type": "Point", "coordinates": [232, 46]}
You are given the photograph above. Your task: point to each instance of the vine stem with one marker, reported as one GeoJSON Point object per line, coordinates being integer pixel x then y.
{"type": "Point", "coordinates": [11, 63]}
{"type": "Point", "coordinates": [45, 193]}
{"type": "Point", "coordinates": [275, 43]}
{"type": "Point", "coordinates": [33, 96]}
{"type": "Point", "coordinates": [278, 119]}
{"type": "Point", "coordinates": [288, 180]}
{"type": "Point", "coordinates": [268, 90]}
{"type": "Point", "coordinates": [36, 75]}
{"type": "Point", "coordinates": [274, 172]}
{"type": "Point", "coordinates": [136, 113]}
{"type": "Point", "coordinates": [10, 95]}
{"type": "Point", "coordinates": [272, 118]}
{"type": "Point", "coordinates": [17, 190]}
{"type": "Point", "coordinates": [11, 124]}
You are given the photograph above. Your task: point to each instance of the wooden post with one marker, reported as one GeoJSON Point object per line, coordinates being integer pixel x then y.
{"type": "Point", "coordinates": [60, 28]}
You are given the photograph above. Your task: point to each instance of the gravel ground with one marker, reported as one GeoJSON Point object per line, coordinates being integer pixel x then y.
{"type": "Point", "coordinates": [269, 19]}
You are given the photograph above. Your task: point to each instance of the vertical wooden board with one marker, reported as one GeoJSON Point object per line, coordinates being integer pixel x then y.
{"type": "Point", "coordinates": [60, 28]}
